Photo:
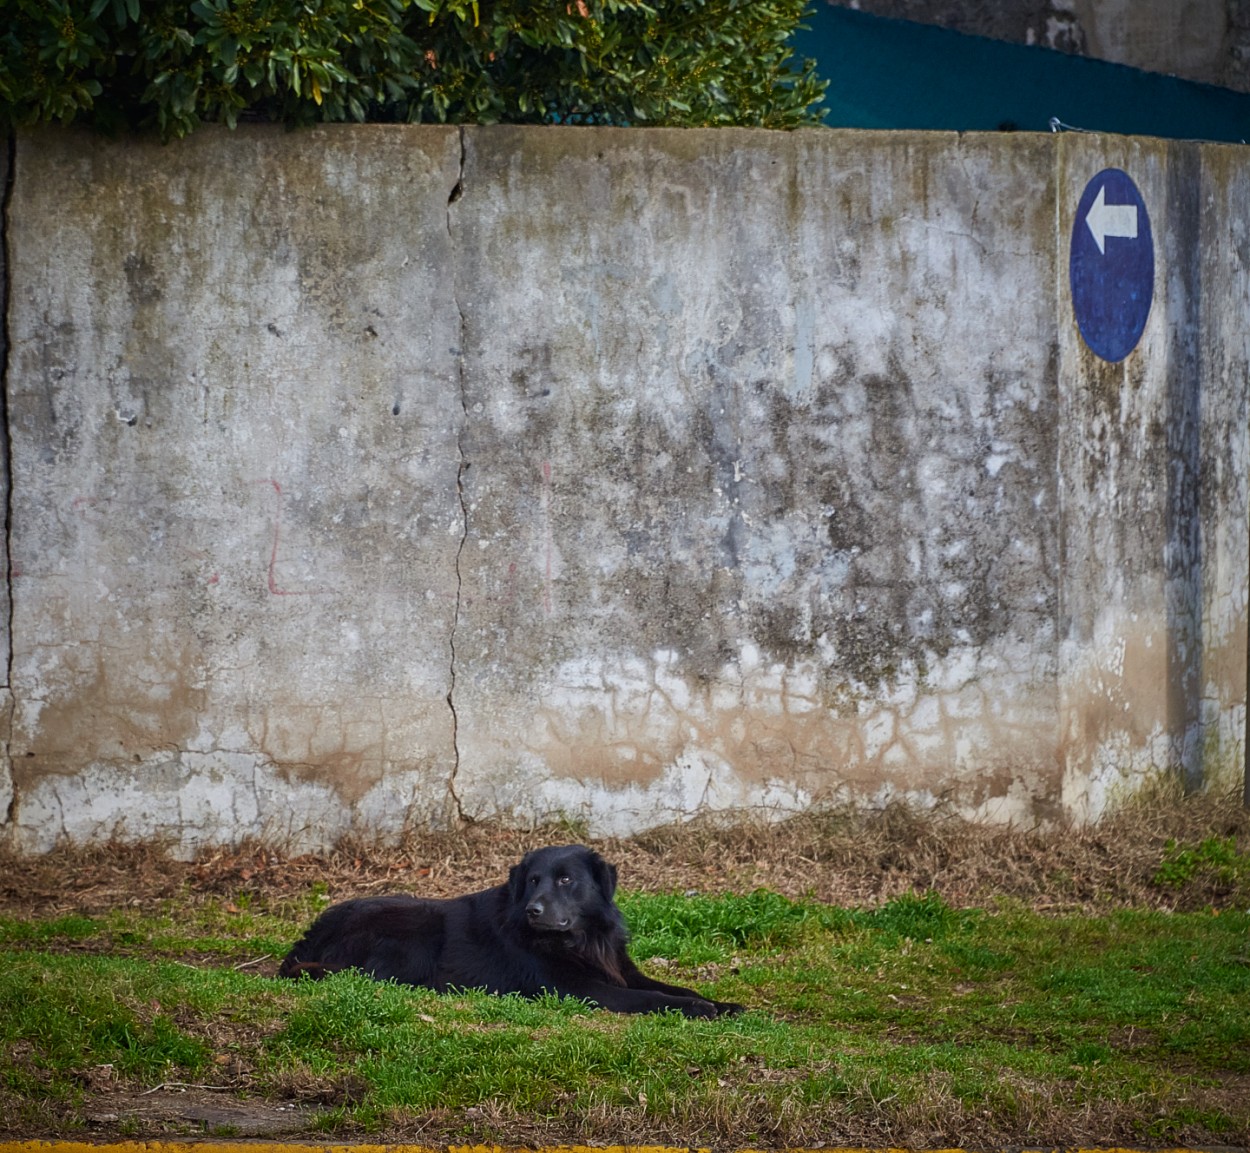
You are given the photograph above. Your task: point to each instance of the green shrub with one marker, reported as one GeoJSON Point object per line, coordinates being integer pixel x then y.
{"type": "Point", "coordinates": [1214, 858]}
{"type": "Point", "coordinates": [170, 65]}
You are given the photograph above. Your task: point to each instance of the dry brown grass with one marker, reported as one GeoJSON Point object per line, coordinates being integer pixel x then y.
{"type": "Point", "coordinates": [845, 856]}
{"type": "Point", "coordinates": [1041, 1115]}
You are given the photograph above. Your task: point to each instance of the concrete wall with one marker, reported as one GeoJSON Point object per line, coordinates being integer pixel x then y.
{"type": "Point", "coordinates": [367, 477]}
{"type": "Point", "coordinates": [1203, 40]}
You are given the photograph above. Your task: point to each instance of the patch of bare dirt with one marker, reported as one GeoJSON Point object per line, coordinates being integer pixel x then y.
{"type": "Point", "coordinates": [231, 1102]}
{"type": "Point", "coordinates": [193, 1110]}
{"type": "Point", "coordinates": [847, 856]}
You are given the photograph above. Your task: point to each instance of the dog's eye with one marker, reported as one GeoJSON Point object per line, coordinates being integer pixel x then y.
{"type": "Point", "coordinates": [562, 880]}
{"type": "Point", "coordinates": [535, 880]}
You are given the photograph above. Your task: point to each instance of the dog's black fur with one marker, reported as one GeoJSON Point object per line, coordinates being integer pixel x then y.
{"type": "Point", "coordinates": [553, 927]}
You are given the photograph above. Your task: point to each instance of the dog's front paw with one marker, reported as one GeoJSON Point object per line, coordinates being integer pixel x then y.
{"type": "Point", "coordinates": [699, 1008]}
{"type": "Point", "coordinates": [728, 1008]}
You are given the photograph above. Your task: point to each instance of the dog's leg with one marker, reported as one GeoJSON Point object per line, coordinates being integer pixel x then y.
{"type": "Point", "coordinates": [636, 979]}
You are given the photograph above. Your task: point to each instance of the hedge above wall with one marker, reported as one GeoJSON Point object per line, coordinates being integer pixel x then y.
{"type": "Point", "coordinates": [167, 65]}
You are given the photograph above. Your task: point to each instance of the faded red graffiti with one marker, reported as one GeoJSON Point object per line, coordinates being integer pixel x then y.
{"type": "Point", "coordinates": [547, 545]}
{"type": "Point", "coordinates": [274, 588]}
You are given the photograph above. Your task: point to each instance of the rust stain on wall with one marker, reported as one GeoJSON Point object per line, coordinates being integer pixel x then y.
{"type": "Point", "coordinates": [125, 705]}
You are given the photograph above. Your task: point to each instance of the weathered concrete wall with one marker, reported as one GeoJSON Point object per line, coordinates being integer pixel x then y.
{"type": "Point", "coordinates": [1153, 465]}
{"type": "Point", "coordinates": [374, 476]}
{"type": "Point", "coordinates": [789, 506]}
{"type": "Point", "coordinates": [233, 402]}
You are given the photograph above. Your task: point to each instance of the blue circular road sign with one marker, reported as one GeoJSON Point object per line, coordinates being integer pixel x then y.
{"type": "Point", "coordinates": [1112, 265]}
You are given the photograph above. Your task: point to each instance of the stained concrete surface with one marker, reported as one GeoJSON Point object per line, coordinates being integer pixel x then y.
{"type": "Point", "coordinates": [374, 477]}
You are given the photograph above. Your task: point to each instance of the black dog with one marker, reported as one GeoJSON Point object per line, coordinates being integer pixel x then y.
{"type": "Point", "coordinates": [553, 927]}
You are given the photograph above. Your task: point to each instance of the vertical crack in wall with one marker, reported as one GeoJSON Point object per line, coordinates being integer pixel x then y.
{"type": "Point", "coordinates": [1058, 570]}
{"type": "Point", "coordinates": [1183, 551]}
{"type": "Point", "coordinates": [456, 192]}
{"type": "Point", "coordinates": [6, 456]}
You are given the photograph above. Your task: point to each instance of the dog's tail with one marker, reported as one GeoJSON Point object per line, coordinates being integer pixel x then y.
{"type": "Point", "coordinates": [314, 970]}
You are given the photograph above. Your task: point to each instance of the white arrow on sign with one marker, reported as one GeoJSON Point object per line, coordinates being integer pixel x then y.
{"type": "Point", "coordinates": [1111, 220]}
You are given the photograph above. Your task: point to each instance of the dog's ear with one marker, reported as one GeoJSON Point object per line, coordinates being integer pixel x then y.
{"type": "Point", "coordinates": [516, 879]}
{"type": "Point", "coordinates": [605, 876]}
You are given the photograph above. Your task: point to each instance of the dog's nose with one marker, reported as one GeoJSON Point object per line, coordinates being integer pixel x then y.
{"type": "Point", "coordinates": [534, 910]}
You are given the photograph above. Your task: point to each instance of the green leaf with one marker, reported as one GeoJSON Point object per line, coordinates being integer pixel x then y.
{"type": "Point", "coordinates": [686, 62]}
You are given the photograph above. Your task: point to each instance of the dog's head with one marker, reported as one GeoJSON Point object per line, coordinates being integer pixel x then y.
{"type": "Point", "coordinates": [563, 889]}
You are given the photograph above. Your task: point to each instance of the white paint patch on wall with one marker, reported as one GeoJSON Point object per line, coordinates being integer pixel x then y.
{"type": "Point", "coordinates": [211, 799]}
{"type": "Point", "coordinates": [763, 737]}
{"type": "Point", "coordinates": [697, 783]}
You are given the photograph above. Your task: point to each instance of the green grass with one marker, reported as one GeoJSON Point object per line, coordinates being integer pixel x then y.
{"type": "Point", "coordinates": [914, 1018]}
{"type": "Point", "coordinates": [1214, 859]}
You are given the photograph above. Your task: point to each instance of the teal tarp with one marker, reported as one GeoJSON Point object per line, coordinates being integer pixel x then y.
{"type": "Point", "coordinates": [897, 74]}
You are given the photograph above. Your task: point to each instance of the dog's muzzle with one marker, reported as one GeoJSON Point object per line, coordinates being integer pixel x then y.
{"type": "Point", "coordinates": [541, 918]}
